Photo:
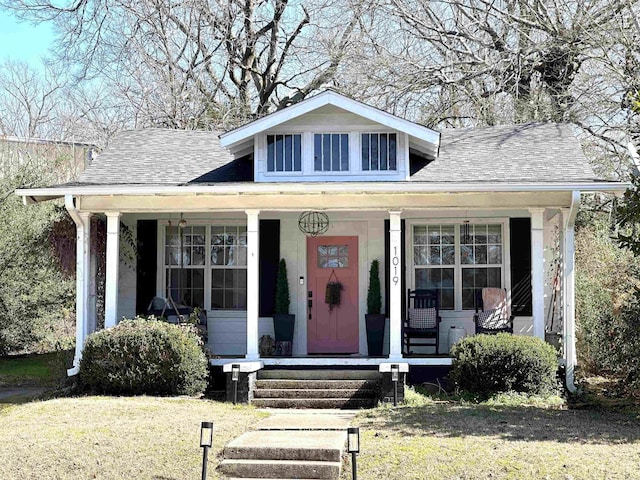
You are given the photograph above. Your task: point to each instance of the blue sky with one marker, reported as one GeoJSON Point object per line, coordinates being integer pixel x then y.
{"type": "Point", "coordinates": [23, 41]}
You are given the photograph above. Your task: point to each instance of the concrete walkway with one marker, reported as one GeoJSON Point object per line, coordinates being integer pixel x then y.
{"type": "Point", "coordinates": [8, 394]}
{"type": "Point", "coordinates": [290, 444]}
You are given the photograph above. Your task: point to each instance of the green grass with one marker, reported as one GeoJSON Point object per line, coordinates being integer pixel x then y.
{"type": "Point", "coordinates": [41, 369]}
{"type": "Point", "coordinates": [115, 437]}
{"type": "Point", "coordinates": [509, 437]}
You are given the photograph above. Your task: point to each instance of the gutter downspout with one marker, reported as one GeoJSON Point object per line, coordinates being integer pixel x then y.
{"type": "Point", "coordinates": [82, 285]}
{"type": "Point", "coordinates": [569, 346]}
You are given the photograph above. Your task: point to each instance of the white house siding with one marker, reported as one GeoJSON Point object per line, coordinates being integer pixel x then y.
{"type": "Point", "coordinates": [330, 119]}
{"type": "Point", "coordinates": [227, 329]}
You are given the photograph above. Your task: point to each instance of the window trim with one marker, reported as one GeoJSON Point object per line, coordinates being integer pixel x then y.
{"type": "Point", "coordinates": [354, 133]}
{"type": "Point", "coordinates": [161, 275]}
{"type": "Point", "coordinates": [458, 312]}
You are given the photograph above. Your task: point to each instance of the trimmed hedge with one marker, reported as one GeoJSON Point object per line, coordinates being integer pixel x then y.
{"type": "Point", "coordinates": [144, 356]}
{"type": "Point", "coordinates": [484, 365]}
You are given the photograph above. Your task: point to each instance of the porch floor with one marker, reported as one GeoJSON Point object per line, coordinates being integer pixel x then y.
{"type": "Point", "coordinates": [337, 360]}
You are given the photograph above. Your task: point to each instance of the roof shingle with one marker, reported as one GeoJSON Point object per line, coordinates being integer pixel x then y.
{"type": "Point", "coordinates": [528, 153]}
{"type": "Point", "coordinates": [532, 152]}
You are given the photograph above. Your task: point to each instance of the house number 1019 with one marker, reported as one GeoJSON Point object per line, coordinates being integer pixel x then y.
{"type": "Point", "coordinates": [395, 261]}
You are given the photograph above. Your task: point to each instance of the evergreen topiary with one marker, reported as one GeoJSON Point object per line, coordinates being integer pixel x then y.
{"type": "Point", "coordinates": [374, 295]}
{"type": "Point", "coordinates": [144, 356]}
{"type": "Point", "coordinates": [282, 289]}
{"type": "Point", "coordinates": [484, 365]}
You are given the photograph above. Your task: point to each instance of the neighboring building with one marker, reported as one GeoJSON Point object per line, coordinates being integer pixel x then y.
{"type": "Point", "coordinates": [63, 161]}
{"type": "Point", "coordinates": [455, 211]}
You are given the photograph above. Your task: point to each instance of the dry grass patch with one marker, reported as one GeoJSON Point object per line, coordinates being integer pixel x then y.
{"type": "Point", "coordinates": [497, 440]}
{"type": "Point", "coordinates": [115, 438]}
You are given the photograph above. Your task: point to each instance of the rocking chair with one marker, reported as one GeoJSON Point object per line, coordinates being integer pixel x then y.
{"type": "Point", "coordinates": [422, 320]}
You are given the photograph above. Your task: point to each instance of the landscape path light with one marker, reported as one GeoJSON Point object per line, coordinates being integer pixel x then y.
{"type": "Point", "coordinates": [235, 376]}
{"type": "Point", "coordinates": [395, 377]}
{"type": "Point", "coordinates": [206, 441]}
{"type": "Point", "coordinates": [353, 447]}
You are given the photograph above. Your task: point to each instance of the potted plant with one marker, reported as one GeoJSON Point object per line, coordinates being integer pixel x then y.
{"type": "Point", "coordinates": [283, 321]}
{"type": "Point", "coordinates": [374, 319]}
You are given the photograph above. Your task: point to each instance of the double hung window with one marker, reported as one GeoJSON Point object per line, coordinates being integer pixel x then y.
{"type": "Point", "coordinates": [229, 267]}
{"type": "Point", "coordinates": [457, 260]}
{"type": "Point", "coordinates": [185, 264]}
{"type": "Point", "coordinates": [199, 259]}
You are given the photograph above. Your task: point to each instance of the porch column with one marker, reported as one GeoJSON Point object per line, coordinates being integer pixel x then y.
{"type": "Point", "coordinates": [113, 265]}
{"type": "Point", "coordinates": [395, 285]}
{"type": "Point", "coordinates": [83, 272]}
{"type": "Point", "coordinates": [568, 285]}
{"type": "Point", "coordinates": [92, 316]}
{"type": "Point", "coordinates": [253, 287]}
{"type": "Point", "coordinates": [537, 270]}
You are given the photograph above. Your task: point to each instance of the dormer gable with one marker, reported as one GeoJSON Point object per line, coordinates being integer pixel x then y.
{"type": "Point", "coordinates": [330, 137]}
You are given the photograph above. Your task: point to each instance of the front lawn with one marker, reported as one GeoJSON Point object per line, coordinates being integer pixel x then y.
{"type": "Point", "coordinates": [498, 440]}
{"type": "Point", "coordinates": [37, 369]}
{"type": "Point", "coordinates": [115, 437]}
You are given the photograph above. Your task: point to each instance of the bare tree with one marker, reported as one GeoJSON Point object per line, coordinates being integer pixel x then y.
{"type": "Point", "coordinates": [200, 62]}
{"type": "Point", "coordinates": [27, 99]}
{"type": "Point", "coordinates": [486, 62]}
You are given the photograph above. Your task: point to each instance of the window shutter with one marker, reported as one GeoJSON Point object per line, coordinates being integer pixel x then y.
{"type": "Point", "coordinates": [269, 259]}
{"type": "Point", "coordinates": [520, 246]}
{"type": "Point", "coordinates": [146, 263]}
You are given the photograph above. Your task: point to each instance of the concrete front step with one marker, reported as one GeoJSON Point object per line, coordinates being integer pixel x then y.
{"type": "Point", "coordinates": [317, 384]}
{"type": "Point", "coordinates": [314, 402]}
{"type": "Point", "coordinates": [319, 374]}
{"type": "Point", "coordinates": [280, 469]}
{"type": "Point", "coordinates": [319, 446]}
{"type": "Point", "coordinates": [315, 393]}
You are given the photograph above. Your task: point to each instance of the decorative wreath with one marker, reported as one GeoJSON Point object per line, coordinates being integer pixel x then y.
{"type": "Point", "coordinates": [332, 293]}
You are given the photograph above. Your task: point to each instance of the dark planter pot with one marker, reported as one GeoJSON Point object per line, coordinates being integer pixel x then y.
{"type": "Point", "coordinates": [375, 333]}
{"type": "Point", "coordinates": [283, 324]}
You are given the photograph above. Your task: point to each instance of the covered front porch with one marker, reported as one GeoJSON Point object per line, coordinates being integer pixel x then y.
{"type": "Point", "coordinates": [219, 252]}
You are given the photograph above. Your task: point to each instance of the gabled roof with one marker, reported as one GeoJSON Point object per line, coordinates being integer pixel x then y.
{"type": "Point", "coordinates": [528, 154]}
{"type": "Point", "coordinates": [421, 138]}
{"type": "Point", "coordinates": [531, 152]}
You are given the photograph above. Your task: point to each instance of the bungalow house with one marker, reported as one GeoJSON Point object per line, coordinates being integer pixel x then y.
{"type": "Point", "coordinates": [331, 184]}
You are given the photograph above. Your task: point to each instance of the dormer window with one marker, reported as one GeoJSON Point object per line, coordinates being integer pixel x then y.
{"type": "Point", "coordinates": [331, 152]}
{"type": "Point", "coordinates": [284, 153]}
{"type": "Point", "coordinates": [379, 151]}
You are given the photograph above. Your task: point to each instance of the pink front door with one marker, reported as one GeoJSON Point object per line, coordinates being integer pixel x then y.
{"type": "Point", "coordinates": [332, 330]}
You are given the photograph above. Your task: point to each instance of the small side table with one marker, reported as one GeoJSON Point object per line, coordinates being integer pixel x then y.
{"type": "Point", "coordinates": [455, 335]}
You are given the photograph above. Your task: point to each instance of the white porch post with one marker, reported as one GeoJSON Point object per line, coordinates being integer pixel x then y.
{"type": "Point", "coordinates": [395, 285]}
{"type": "Point", "coordinates": [253, 287]}
{"type": "Point", "coordinates": [537, 270]}
{"type": "Point", "coordinates": [83, 271]}
{"type": "Point", "coordinates": [113, 264]}
{"type": "Point", "coordinates": [92, 316]}
{"type": "Point", "coordinates": [82, 221]}
{"type": "Point", "coordinates": [568, 284]}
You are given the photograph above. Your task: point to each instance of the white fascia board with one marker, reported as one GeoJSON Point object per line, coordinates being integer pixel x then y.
{"type": "Point", "coordinates": [40, 194]}
{"type": "Point", "coordinates": [230, 139]}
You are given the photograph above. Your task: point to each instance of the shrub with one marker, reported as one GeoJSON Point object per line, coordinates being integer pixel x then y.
{"type": "Point", "coordinates": [484, 365]}
{"type": "Point", "coordinates": [144, 356]}
{"type": "Point", "coordinates": [283, 298]}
